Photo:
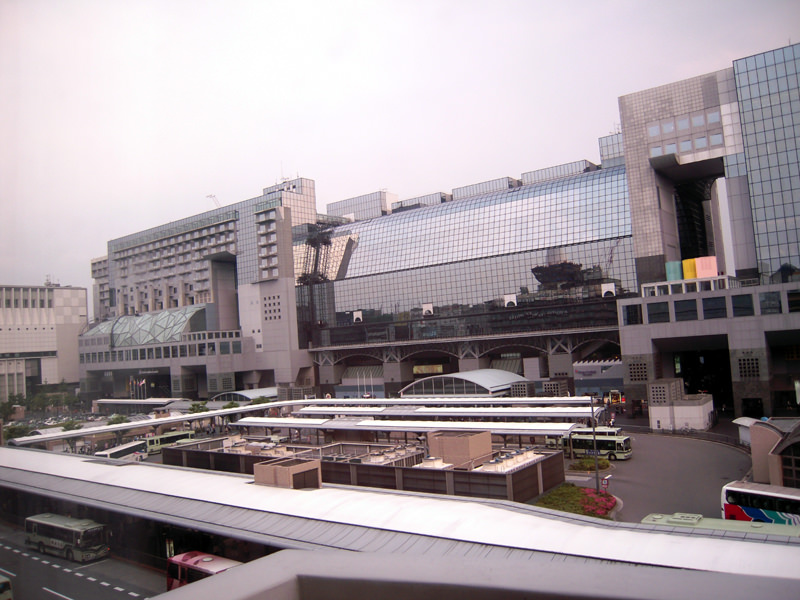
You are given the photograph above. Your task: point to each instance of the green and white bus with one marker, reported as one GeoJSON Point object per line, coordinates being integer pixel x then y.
{"type": "Point", "coordinates": [74, 539]}
{"type": "Point", "coordinates": [156, 442]}
{"type": "Point", "coordinates": [612, 447]}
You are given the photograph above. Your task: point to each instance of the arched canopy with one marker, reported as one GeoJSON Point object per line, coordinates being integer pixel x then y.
{"type": "Point", "coordinates": [152, 328]}
{"type": "Point", "coordinates": [247, 395]}
{"type": "Point", "coordinates": [481, 382]}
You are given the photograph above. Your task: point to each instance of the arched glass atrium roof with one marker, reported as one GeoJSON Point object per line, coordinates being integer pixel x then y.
{"type": "Point", "coordinates": [150, 328]}
{"type": "Point", "coordinates": [480, 382]}
{"type": "Point", "coordinates": [576, 210]}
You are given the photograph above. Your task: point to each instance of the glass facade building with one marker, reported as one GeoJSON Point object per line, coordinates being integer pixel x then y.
{"type": "Point", "coordinates": [445, 270]}
{"type": "Point", "coordinates": [769, 105]}
{"type": "Point", "coordinates": [564, 264]}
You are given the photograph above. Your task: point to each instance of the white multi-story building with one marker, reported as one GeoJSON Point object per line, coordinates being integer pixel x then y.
{"type": "Point", "coordinates": [39, 328]}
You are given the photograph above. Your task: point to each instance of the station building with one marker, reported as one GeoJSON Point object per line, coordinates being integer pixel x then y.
{"type": "Point", "coordinates": [677, 255]}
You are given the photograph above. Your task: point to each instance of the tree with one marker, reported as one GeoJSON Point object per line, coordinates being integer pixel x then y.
{"type": "Point", "coordinates": [231, 404]}
{"type": "Point", "coordinates": [261, 400]}
{"type": "Point", "coordinates": [71, 425]}
{"type": "Point", "coordinates": [117, 419]}
{"type": "Point", "coordinates": [6, 410]}
{"type": "Point", "coordinates": [39, 403]}
{"type": "Point", "coordinates": [16, 430]}
{"type": "Point", "coordinates": [198, 407]}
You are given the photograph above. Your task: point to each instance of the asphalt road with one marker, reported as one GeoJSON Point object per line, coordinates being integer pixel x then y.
{"type": "Point", "coordinates": [669, 474]}
{"type": "Point", "coordinates": [46, 577]}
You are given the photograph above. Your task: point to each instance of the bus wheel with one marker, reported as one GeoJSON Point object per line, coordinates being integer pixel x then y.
{"type": "Point", "coordinates": [41, 548]}
{"type": "Point", "coordinates": [68, 555]}
{"type": "Point", "coordinates": [612, 456]}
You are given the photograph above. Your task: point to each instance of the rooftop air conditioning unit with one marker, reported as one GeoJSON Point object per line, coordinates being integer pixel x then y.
{"type": "Point", "coordinates": [509, 300]}
{"type": "Point", "coordinates": [609, 290]}
{"type": "Point", "coordinates": [427, 309]}
{"type": "Point", "coordinates": [357, 316]}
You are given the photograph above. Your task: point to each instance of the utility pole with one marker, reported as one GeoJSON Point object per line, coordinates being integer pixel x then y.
{"type": "Point", "coordinates": [594, 449]}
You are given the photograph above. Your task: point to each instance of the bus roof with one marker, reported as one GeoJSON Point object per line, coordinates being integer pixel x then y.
{"type": "Point", "coordinates": [202, 561]}
{"type": "Point", "coordinates": [700, 522]}
{"type": "Point", "coordinates": [64, 521]}
{"type": "Point", "coordinates": [778, 491]}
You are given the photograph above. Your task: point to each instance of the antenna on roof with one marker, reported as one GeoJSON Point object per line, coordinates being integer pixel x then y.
{"type": "Point", "coordinates": [214, 199]}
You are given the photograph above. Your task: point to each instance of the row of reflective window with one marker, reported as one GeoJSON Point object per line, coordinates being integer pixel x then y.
{"type": "Point", "coordinates": [741, 305]}
{"type": "Point", "coordinates": [684, 123]}
{"type": "Point", "coordinates": [700, 143]}
{"type": "Point", "coordinates": [768, 89]}
{"type": "Point", "coordinates": [576, 210]}
{"type": "Point", "coordinates": [479, 282]}
{"type": "Point", "coordinates": [162, 352]}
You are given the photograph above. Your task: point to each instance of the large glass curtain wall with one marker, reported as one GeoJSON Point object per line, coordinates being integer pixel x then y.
{"type": "Point", "coordinates": [468, 256]}
{"type": "Point", "coordinates": [769, 105]}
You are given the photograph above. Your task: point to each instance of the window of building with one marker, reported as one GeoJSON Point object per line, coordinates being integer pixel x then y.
{"type": "Point", "coordinates": [654, 130]}
{"type": "Point", "coordinates": [793, 300]}
{"type": "Point", "coordinates": [686, 310]}
{"type": "Point", "coordinates": [683, 123]}
{"type": "Point", "coordinates": [715, 308]}
{"type": "Point", "coordinates": [716, 139]}
{"type": "Point", "coordinates": [742, 305]}
{"type": "Point", "coordinates": [632, 314]}
{"type": "Point", "coordinates": [770, 303]}
{"type": "Point", "coordinates": [658, 312]}
{"type": "Point", "coordinates": [700, 143]}
{"type": "Point", "coordinates": [655, 151]}
{"type": "Point", "coordinates": [670, 148]}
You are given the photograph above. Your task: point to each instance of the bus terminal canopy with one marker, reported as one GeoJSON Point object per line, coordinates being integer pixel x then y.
{"type": "Point", "coordinates": [480, 382]}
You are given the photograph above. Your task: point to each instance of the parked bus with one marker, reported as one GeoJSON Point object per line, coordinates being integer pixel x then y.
{"type": "Point", "coordinates": [131, 451]}
{"type": "Point", "coordinates": [612, 447]}
{"type": "Point", "coordinates": [748, 501]}
{"type": "Point", "coordinates": [156, 442]}
{"type": "Point", "coordinates": [186, 568]}
{"type": "Point", "coordinates": [598, 431]}
{"type": "Point", "coordinates": [693, 521]}
{"type": "Point", "coordinates": [74, 539]}
{"type": "Point", "coordinates": [580, 443]}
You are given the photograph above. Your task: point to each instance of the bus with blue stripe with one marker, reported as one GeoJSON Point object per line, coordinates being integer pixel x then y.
{"type": "Point", "coordinates": [749, 501]}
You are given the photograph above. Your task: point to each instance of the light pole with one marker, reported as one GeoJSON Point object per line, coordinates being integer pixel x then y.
{"type": "Point", "coordinates": [594, 450]}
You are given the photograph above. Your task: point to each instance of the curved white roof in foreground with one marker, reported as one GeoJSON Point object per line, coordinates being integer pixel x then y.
{"type": "Point", "coordinates": [369, 520]}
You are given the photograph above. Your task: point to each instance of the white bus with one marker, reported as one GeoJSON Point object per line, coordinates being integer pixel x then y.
{"type": "Point", "coordinates": [131, 451]}
{"type": "Point", "coordinates": [748, 501]}
{"type": "Point", "coordinates": [612, 447]}
{"type": "Point", "coordinates": [156, 442]}
{"type": "Point", "coordinates": [74, 539]}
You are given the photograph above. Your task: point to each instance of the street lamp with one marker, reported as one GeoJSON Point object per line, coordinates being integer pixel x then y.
{"type": "Point", "coordinates": [594, 450]}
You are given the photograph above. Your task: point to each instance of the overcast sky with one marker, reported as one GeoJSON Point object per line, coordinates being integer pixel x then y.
{"type": "Point", "coordinates": [120, 115]}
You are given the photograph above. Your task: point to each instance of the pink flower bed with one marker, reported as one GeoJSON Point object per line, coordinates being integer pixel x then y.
{"type": "Point", "coordinates": [597, 504]}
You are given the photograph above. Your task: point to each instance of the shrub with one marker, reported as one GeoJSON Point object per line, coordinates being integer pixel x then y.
{"type": "Point", "coordinates": [587, 464]}
{"type": "Point", "coordinates": [582, 501]}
